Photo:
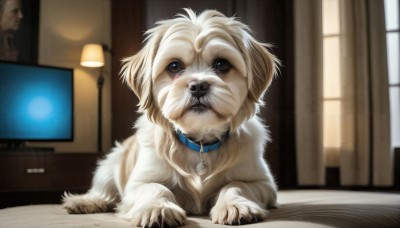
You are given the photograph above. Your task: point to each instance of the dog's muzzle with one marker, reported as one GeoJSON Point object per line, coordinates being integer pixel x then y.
{"type": "Point", "coordinates": [199, 90]}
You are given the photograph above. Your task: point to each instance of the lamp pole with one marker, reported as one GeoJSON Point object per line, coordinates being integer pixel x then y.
{"type": "Point", "coordinates": [100, 83]}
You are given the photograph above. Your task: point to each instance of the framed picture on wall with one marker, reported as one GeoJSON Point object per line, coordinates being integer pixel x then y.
{"type": "Point", "coordinates": [19, 25]}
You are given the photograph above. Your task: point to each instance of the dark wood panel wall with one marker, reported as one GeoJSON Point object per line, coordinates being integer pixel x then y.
{"type": "Point", "coordinates": [272, 22]}
{"type": "Point", "coordinates": [128, 27]}
{"type": "Point", "coordinates": [288, 167]}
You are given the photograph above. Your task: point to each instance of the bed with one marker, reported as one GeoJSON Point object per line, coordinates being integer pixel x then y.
{"type": "Point", "coordinates": [298, 208]}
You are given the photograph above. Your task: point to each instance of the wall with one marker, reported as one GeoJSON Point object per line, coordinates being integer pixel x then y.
{"type": "Point", "coordinates": [65, 26]}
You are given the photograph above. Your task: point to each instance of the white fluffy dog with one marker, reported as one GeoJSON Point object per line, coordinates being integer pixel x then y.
{"type": "Point", "coordinates": [198, 147]}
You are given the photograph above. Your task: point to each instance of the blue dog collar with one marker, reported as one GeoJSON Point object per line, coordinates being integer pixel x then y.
{"type": "Point", "coordinates": [197, 146]}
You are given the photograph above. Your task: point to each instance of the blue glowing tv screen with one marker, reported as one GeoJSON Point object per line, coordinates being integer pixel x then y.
{"type": "Point", "coordinates": [36, 103]}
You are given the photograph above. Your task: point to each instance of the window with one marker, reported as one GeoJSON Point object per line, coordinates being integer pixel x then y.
{"type": "Point", "coordinates": [331, 82]}
{"type": "Point", "coordinates": [333, 97]}
{"type": "Point", "coordinates": [392, 19]}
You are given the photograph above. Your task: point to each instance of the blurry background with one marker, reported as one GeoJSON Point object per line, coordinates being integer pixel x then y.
{"type": "Point", "coordinates": [333, 111]}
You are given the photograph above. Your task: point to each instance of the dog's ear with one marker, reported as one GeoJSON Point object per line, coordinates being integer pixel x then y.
{"type": "Point", "coordinates": [136, 72]}
{"type": "Point", "coordinates": [262, 67]}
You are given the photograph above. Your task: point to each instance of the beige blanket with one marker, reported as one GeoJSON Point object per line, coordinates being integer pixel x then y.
{"type": "Point", "coordinates": [300, 208]}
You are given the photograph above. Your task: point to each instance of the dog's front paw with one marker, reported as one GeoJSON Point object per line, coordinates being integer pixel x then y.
{"type": "Point", "coordinates": [158, 215]}
{"type": "Point", "coordinates": [85, 204]}
{"type": "Point", "coordinates": [233, 213]}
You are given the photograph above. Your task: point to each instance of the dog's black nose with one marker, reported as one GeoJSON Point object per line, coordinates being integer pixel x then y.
{"type": "Point", "coordinates": [199, 89]}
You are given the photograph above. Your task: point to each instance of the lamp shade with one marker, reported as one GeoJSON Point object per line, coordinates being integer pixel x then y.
{"type": "Point", "coordinates": [92, 55]}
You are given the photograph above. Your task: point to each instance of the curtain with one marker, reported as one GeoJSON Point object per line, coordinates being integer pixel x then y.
{"type": "Point", "coordinates": [383, 155]}
{"type": "Point", "coordinates": [308, 92]}
{"type": "Point", "coordinates": [364, 153]}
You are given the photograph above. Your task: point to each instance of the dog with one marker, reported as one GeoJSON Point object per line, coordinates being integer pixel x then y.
{"type": "Point", "coordinates": [199, 144]}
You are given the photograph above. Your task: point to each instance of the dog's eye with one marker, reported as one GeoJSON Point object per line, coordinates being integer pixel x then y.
{"type": "Point", "coordinates": [222, 66]}
{"type": "Point", "coordinates": [175, 67]}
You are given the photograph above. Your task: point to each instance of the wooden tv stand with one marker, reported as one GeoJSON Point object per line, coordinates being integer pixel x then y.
{"type": "Point", "coordinates": [41, 177]}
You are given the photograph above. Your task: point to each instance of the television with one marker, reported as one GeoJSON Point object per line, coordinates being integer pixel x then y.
{"type": "Point", "coordinates": [36, 104]}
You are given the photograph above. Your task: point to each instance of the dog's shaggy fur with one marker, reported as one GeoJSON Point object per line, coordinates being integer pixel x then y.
{"type": "Point", "coordinates": [203, 75]}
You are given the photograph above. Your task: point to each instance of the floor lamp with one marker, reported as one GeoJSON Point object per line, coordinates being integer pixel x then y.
{"type": "Point", "coordinates": [93, 56]}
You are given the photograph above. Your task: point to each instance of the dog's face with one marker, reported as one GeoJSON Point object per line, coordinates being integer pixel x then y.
{"type": "Point", "coordinates": [202, 74]}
